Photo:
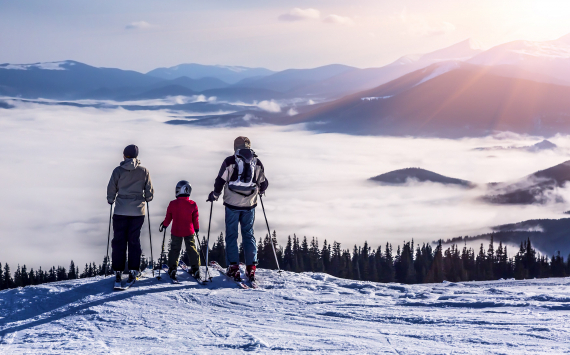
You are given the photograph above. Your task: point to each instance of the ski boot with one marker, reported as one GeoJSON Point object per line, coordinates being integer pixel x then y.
{"type": "Point", "coordinates": [195, 272]}
{"type": "Point", "coordinates": [172, 274]}
{"type": "Point", "coordinates": [250, 272]}
{"type": "Point", "coordinates": [118, 279]}
{"type": "Point", "coordinates": [233, 272]}
{"type": "Point", "coordinates": [133, 276]}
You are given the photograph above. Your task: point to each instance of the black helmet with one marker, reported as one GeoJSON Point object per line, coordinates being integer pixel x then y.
{"type": "Point", "coordinates": [183, 188]}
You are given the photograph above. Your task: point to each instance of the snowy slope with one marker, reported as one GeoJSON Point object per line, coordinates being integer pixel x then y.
{"type": "Point", "coordinates": [293, 313]}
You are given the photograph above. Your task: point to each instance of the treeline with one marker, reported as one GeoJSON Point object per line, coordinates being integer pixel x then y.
{"type": "Point", "coordinates": [410, 263]}
{"type": "Point", "coordinates": [22, 277]}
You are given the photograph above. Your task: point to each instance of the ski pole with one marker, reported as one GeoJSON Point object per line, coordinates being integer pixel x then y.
{"type": "Point", "coordinates": [208, 241]}
{"type": "Point", "coordinates": [150, 236]}
{"type": "Point", "coordinates": [161, 253]}
{"type": "Point", "coordinates": [199, 246]}
{"type": "Point", "coordinates": [269, 231]}
{"type": "Point", "coordinates": [108, 240]}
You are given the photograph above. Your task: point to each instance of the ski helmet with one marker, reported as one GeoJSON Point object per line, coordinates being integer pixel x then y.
{"type": "Point", "coordinates": [183, 188]}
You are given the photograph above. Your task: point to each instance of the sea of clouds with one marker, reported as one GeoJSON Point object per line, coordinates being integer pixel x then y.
{"type": "Point", "coordinates": [56, 162]}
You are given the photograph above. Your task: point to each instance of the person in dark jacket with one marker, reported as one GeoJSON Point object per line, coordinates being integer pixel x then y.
{"type": "Point", "coordinates": [242, 179]}
{"type": "Point", "coordinates": [129, 188]}
{"type": "Point", "coordinates": [183, 213]}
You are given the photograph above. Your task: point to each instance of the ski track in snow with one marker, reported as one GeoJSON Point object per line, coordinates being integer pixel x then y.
{"type": "Point", "coordinates": [309, 312]}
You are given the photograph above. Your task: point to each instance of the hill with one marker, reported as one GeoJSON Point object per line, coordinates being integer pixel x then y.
{"type": "Point", "coordinates": [547, 235]}
{"type": "Point", "coordinates": [403, 176]}
{"type": "Point", "coordinates": [450, 100]}
{"type": "Point", "coordinates": [225, 73]}
{"type": "Point", "coordinates": [309, 312]}
{"type": "Point", "coordinates": [539, 187]}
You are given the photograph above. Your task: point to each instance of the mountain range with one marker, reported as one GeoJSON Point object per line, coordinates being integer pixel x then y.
{"type": "Point", "coordinates": [458, 91]}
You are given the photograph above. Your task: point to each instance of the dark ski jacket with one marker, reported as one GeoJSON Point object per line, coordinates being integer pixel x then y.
{"type": "Point", "coordinates": [229, 172]}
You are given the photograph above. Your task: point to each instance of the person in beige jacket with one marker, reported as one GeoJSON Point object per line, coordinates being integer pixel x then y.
{"type": "Point", "coordinates": [129, 188]}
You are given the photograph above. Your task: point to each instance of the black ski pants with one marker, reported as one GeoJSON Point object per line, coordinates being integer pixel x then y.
{"type": "Point", "coordinates": [126, 233]}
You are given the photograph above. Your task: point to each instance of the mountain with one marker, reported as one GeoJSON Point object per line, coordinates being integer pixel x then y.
{"type": "Point", "coordinates": [295, 79]}
{"type": "Point", "coordinates": [404, 176]}
{"type": "Point", "coordinates": [547, 235]}
{"type": "Point", "coordinates": [550, 58]}
{"type": "Point", "coordinates": [207, 83]}
{"type": "Point", "coordinates": [228, 74]}
{"type": "Point", "coordinates": [538, 147]}
{"type": "Point", "coordinates": [539, 187]}
{"type": "Point", "coordinates": [159, 93]}
{"type": "Point", "coordinates": [451, 100]}
{"type": "Point", "coordinates": [363, 79]}
{"type": "Point", "coordinates": [66, 79]}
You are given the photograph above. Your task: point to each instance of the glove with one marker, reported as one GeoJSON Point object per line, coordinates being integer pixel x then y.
{"type": "Point", "coordinates": [161, 228]}
{"type": "Point", "coordinates": [261, 193]}
{"type": "Point", "coordinates": [196, 231]}
{"type": "Point", "coordinates": [110, 202]}
{"type": "Point", "coordinates": [213, 196]}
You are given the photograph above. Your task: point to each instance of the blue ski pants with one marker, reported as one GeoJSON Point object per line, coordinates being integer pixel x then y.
{"type": "Point", "coordinates": [245, 218]}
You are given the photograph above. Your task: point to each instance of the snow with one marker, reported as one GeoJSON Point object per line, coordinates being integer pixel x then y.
{"type": "Point", "coordinates": [44, 66]}
{"type": "Point", "coordinates": [309, 312]}
{"type": "Point", "coordinates": [442, 69]}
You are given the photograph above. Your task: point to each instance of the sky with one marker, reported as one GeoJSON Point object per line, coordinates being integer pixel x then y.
{"type": "Point", "coordinates": [144, 34]}
{"type": "Point", "coordinates": [58, 161]}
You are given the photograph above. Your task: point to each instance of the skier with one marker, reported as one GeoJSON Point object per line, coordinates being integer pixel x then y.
{"type": "Point", "coordinates": [242, 178]}
{"type": "Point", "coordinates": [184, 212]}
{"type": "Point", "coordinates": [129, 188]}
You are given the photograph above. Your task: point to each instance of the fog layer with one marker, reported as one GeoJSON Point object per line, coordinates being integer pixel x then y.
{"type": "Point", "coordinates": [56, 162]}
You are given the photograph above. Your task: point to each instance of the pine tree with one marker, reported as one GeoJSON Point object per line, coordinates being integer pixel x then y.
{"type": "Point", "coordinates": [72, 275]}
{"type": "Point", "coordinates": [8, 280]}
{"type": "Point", "coordinates": [288, 263]}
{"type": "Point", "coordinates": [325, 257]}
{"type": "Point", "coordinates": [388, 272]}
{"type": "Point", "coordinates": [2, 282]}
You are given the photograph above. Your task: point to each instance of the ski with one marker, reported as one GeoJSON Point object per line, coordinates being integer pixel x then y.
{"type": "Point", "coordinates": [187, 269]}
{"type": "Point", "coordinates": [250, 283]}
{"type": "Point", "coordinates": [119, 287]}
{"type": "Point", "coordinates": [219, 268]}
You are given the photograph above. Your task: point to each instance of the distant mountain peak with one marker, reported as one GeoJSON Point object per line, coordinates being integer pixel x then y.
{"type": "Point", "coordinates": [59, 65]}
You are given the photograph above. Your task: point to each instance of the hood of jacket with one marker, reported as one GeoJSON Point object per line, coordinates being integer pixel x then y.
{"type": "Point", "coordinates": [130, 163]}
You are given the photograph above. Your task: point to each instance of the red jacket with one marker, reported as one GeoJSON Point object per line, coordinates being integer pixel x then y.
{"type": "Point", "coordinates": [184, 212]}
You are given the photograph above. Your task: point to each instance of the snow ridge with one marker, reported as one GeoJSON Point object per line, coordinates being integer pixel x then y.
{"type": "Point", "coordinates": [292, 313]}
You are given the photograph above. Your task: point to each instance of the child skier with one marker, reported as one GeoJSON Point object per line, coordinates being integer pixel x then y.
{"type": "Point", "coordinates": [184, 212]}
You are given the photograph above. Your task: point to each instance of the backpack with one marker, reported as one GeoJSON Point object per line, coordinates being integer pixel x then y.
{"type": "Point", "coordinates": [245, 183]}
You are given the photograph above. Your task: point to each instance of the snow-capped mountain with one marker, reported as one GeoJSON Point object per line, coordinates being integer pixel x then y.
{"type": "Point", "coordinates": [61, 65]}
{"type": "Point", "coordinates": [363, 79]}
{"type": "Point", "coordinates": [551, 58]}
{"type": "Point", "coordinates": [225, 73]}
{"type": "Point", "coordinates": [293, 313]}
{"type": "Point", "coordinates": [449, 99]}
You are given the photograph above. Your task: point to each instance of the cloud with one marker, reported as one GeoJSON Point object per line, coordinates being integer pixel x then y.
{"type": "Point", "coordinates": [292, 112]}
{"type": "Point", "coordinates": [339, 20]}
{"type": "Point", "coordinates": [318, 182]}
{"type": "Point", "coordinates": [298, 14]}
{"type": "Point", "coordinates": [138, 25]}
{"type": "Point", "coordinates": [269, 106]}
{"type": "Point", "coordinates": [419, 26]}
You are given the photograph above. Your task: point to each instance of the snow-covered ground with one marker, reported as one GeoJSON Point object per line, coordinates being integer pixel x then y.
{"type": "Point", "coordinates": [306, 312]}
